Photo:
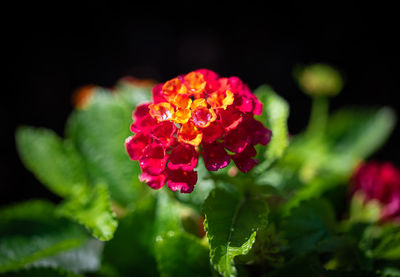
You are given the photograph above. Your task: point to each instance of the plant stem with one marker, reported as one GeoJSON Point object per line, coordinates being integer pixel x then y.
{"type": "Point", "coordinates": [318, 117]}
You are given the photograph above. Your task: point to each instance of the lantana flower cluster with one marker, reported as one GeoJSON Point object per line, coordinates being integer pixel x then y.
{"type": "Point", "coordinates": [192, 114]}
{"type": "Point", "coordinates": [380, 182]}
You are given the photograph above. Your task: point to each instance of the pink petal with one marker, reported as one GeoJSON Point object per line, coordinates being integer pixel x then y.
{"type": "Point", "coordinates": [212, 132]}
{"type": "Point", "coordinates": [215, 156]}
{"type": "Point", "coordinates": [153, 159]}
{"type": "Point", "coordinates": [230, 118]}
{"type": "Point", "coordinates": [135, 144]}
{"type": "Point", "coordinates": [143, 121]}
{"type": "Point", "coordinates": [237, 139]}
{"type": "Point", "coordinates": [181, 180]}
{"type": "Point", "coordinates": [244, 160]}
{"type": "Point", "coordinates": [183, 157]}
{"type": "Point", "coordinates": [153, 181]}
{"type": "Point", "coordinates": [164, 131]}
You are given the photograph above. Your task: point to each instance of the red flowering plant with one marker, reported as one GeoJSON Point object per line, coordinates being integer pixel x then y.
{"type": "Point", "coordinates": [241, 196]}
{"type": "Point", "coordinates": [197, 113]}
{"type": "Point", "coordinates": [379, 182]}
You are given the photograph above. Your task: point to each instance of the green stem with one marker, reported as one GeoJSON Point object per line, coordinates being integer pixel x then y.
{"type": "Point", "coordinates": [319, 116]}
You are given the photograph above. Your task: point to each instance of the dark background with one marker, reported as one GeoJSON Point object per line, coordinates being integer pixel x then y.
{"type": "Point", "coordinates": [50, 51]}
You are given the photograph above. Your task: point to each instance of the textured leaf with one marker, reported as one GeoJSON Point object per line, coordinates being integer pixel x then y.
{"type": "Point", "coordinates": [231, 224]}
{"type": "Point", "coordinates": [275, 115]}
{"type": "Point", "coordinates": [130, 252]}
{"type": "Point", "coordinates": [308, 224]}
{"type": "Point", "coordinates": [181, 254]}
{"type": "Point", "coordinates": [99, 133]}
{"type": "Point", "coordinates": [30, 231]}
{"type": "Point", "coordinates": [53, 161]}
{"type": "Point", "coordinates": [93, 210]}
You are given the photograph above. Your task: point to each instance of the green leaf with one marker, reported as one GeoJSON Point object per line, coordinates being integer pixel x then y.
{"type": "Point", "coordinates": [231, 224]}
{"type": "Point", "coordinates": [86, 258]}
{"type": "Point", "coordinates": [131, 93]}
{"type": "Point", "coordinates": [130, 252]}
{"type": "Point", "coordinates": [93, 210]}
{"type": "Point", "coordinates": [181, 254]}
{"type": "Point", "coordinates": [275, 115]}
{"type": "Point", "coordinates": [99, 133]}
{"type": "Point", "coordinates": [31, 231]}
{"type": "Point", "coordinates": [53, 161]}
{"type": "Point", "coordinates": [389, 246]}
{"type": "Point", "coordinates": [309, 224]}
{"type": "Point", "coordinates": [356, 133]}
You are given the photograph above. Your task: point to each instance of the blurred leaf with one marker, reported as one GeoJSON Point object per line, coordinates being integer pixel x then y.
{"type": "Point", "coordinates": [275, 115]}
{"type": "Point", "coordinates": [231, 224]}
{"type": "Point", "coordinates": [99, 133]}
{"type": "Point", "coordinates": [93, 210]}
{"type": "Point", "coordinates": [86, 258]}
{"type": "Point", "coordinates": [178, 253]}
{"type": "Point", "coordinates": [130, 252]}
{"type": "Point", "coordinates": [356, 133]}
{"type": "Point", "coordinates": [41, 272]}
{"type": "Point", "coordinates": [300, 266]}
{"type": "Point", "coordinates": [181, 254]}
{"type": "Point", "coordinates": [53, 161]}
{"type": "Point", "coordinates": [132, 93]}
{"type": "Point", "coordinates": [389, 246]}
{"type": "Point", "coordinates": [308, 225]}
{"type": "Point", "coordinates": [168, 214]}
{"type": "Point", "coordinates": [30, 231]}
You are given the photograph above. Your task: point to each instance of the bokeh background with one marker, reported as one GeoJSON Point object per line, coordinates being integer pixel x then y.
{"type": "Point", "coordinates": [51, 51]}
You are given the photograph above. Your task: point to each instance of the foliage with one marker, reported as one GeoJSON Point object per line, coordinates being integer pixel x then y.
{"type": "Point", "coordinates": [290, 215]}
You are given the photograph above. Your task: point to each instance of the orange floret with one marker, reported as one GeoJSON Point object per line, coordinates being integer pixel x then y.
{"type": "Point", "coordinates": [182, 116]}
{"type": "Point", "coordinates": [173, 87]}
{"type": "Point", "coordinates": [161, 111]}
{"type": "Point", "coordinates": [195, 83]}
{"type": "Point", "coordinates": [182, 101]}
{"type": "Point", "coordinates": [220, 99]}
{"type": "Point", "coordinates": [190, 134]}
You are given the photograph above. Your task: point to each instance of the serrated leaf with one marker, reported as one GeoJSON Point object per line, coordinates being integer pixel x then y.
{"type": "Point", "coordinates": [275, 115]}
{"type": "Point", "coordinates": [93, 210]}
{"type": "Point", "coordinates": [53, 161]}
{"type": "Point", "coordinates": [231, 224]}
{"type": "Point", "coordinates": [181, 254]}
{"type": "Point", "coordinates": [308, 224]}
{"type": "Point", "coordinates": [99, 133]}
{"type": "Point", "coordinates": [31, 231]}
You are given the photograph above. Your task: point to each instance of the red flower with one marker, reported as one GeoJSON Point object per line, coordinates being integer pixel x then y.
{"type": "Point", "coordinates": [181, 180]}
{"type": "Point", "coordinates": [184, 157]}
{"type": "Point", "coordinates": [215, 156]}
{"type": "Point", "coordinates": [195, 111]}
{"type": "Point", "coordinates": [379, 181]}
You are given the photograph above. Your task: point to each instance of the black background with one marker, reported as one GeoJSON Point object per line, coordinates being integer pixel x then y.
{"type": "Point", "coordinates": [50, 51]}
